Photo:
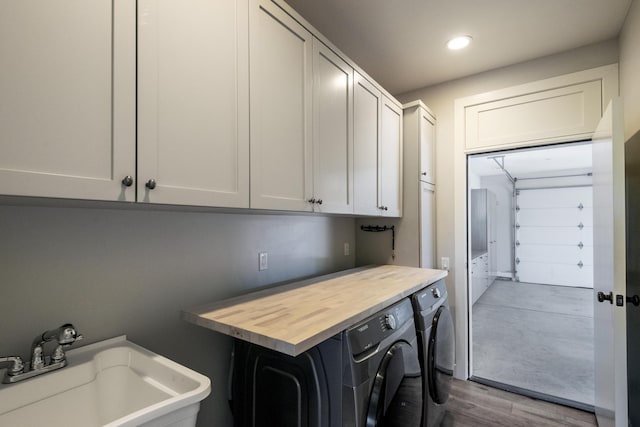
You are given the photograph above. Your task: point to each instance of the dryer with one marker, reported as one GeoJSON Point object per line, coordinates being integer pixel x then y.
{"type": "Point", "coordinates": [382, 384]}
{"type": "Point", "coordinates": [434, 328]}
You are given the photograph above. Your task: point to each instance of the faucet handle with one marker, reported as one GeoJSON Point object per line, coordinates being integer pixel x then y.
{"type": "Point", "coordinates": [58, 355]}
{"type": "Point", "coordinates": [17, 366]}
{"type": "Point", "coordinates": [37, 359]}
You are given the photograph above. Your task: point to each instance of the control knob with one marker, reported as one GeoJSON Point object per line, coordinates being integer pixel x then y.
{"type": "Point", "coordinates": [390, 321]}
{"type": "Point", "coordinates": [436, 292]}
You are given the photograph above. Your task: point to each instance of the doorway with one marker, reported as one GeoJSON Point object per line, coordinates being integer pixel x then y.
{"type": "Point", "coordinates": [531, 271]}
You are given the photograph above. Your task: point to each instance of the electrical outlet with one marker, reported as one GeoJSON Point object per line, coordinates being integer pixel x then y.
{"type": "Point", "coordinates": [263, 261]}
{"type": "Point", "coordinates": [444, 263]}
{"type": "Point", "coordinates": [346, 249]}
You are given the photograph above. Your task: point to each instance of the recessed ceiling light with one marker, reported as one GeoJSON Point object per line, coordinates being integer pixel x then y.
{"type": "Point", "coordinates": [459, 42]}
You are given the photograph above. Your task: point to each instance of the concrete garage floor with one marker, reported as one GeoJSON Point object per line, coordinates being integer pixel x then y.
{"type": "Point", "coordinates": [536, 337]}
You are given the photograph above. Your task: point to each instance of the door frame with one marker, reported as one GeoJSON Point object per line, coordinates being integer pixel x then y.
{"type": "Point", "coordinates": [608, 77]}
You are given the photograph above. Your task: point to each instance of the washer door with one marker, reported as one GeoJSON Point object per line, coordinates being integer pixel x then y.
{"type": "Point", "coordinates": [396, 396]}
{"type": "Point", "coordinates": [441, 356]}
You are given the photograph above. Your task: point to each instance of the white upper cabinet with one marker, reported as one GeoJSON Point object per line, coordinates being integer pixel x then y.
{"type": "Point", "coordinates": [566, 112]}
{"type": "Point", "coordinates": [427, 146]}
{"type": "Point", "coordinates": [332, 131]}
{"type": "Point", "coordinates": [390, 159]}
{"type": "Point", "coordinates": [221, 103]}
{"type": "Point", "coordinates": [366, 128]}
{"type": "Point", "coordinates": [67, 115]}
{"type": "Point", "coordinates": [377, 151]}
{"type": "Point", "coordinates": [280, 55]}
{"type": "Point", "coordinates": [193, 102]}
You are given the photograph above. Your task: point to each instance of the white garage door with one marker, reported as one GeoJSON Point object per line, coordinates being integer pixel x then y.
{"type": "Point", "coordinates": [554, 236]}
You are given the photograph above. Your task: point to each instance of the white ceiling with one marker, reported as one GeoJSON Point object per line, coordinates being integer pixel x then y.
{"type": "Point", "coordinates": [401, 43]}
{"type": "Point", "coordinates": [535, 162]}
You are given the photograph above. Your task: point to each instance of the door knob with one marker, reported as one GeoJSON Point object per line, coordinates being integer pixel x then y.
{"type": "Point", "coordinates": [151, 184]}
{"type": "Point", "coordinates": [602, 297]}
{"type": "Point", "coordinates": [635, 300]}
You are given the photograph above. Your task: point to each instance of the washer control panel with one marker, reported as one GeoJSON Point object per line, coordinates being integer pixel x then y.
{"type": "Point", "coordinates": [431, 296]}
{"type": "Point", "coordinates": [368, 333]}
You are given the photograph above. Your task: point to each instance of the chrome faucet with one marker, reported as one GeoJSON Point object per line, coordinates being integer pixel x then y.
{"type": "Point", "coordinates": [65, 335]}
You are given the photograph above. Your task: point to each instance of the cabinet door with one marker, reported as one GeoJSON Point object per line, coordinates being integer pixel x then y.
{"type": "Point", "coordinates": [390, 159]}
{"type": "Point", "coordinates": [193, 102]}
{"type": "Point", "coordinates": [332, 131]}
{"type": "Point", "coordinates": [280, 80]}
{"type": "Point", "coordinates": [366, 132]}
{"type": "Point", "coordinates": [427, 226]}
{"type": "Point", "coordinates": [427, 147]}
{"type": "Point", "coordinates": [68, 98]}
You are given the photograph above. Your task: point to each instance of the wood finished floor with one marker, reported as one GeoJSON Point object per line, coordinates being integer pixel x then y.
{"type": "Point", "coordinates": [476, 405]}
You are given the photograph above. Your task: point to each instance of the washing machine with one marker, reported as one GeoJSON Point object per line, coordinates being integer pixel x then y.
{"type": "Point", "coordinates": [436, 338]}
{"type": "Point", "coordinates": [271, 389]}
{"type": "Point", "coordinates": [382, 382]}
{"type": "Point", "coordinates": [366, 376]}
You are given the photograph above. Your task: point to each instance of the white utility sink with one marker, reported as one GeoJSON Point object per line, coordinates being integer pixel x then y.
{"type": "Point", "coordinates": [109, 383]}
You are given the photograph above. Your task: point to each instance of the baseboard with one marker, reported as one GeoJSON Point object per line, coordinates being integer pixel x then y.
{"type": "Point", "coordinates": [534, 394]}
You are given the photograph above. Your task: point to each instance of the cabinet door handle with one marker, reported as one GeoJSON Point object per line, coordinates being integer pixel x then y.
{"type": "Point", "coordinates": [151, 184]}
{"type": "Point", "coordinates": [424, 174]}
{"type": "Point", "coordinates": [319, 201]}
{"type": "Point", "coordinates": [127, 181]}
{"type": "Point", "coordinates": [312, 200]}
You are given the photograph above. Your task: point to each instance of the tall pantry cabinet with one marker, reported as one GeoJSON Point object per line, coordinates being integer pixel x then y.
{"type": "Point", "coordinates": [419, 186]}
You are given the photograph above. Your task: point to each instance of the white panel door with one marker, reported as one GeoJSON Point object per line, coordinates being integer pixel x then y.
{"type": "Point", "coordinates": [67, 115]}
{"type": "Point", "coordinates": [390, 159]}
{"type": "Point", "coordinates": [610, 269]}
{"type": "Point", "coordinates": [332, 131]}
{"type": "Point", "coordinates": [193, 102]}
{"type": "Point", "coordinates": [366, 132]}
{"type": "Point", "coordinates": [554, 236]}
{"type": "Point", "coordinates": [280, 57]}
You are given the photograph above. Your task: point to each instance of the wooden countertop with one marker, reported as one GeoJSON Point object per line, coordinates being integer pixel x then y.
{"type": "Point", "coordinates": [293, 318]}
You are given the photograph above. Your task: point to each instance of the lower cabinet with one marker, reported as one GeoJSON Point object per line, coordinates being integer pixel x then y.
{"type": "Point", "coordinates": [480, 281]}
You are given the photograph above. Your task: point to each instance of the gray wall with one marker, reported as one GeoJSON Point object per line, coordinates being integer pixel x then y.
{"type": "Point", "coordinates": [123, 271]}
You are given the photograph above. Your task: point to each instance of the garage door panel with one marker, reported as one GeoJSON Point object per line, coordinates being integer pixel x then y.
{"type": "Point", "coordinates": [556, 198]}
{"type": "Point", "coordinates": [556, 235]}
{"type": "Point", "coordinates": [549, 217]}
{"type": "Point", "coordinates": [556, 274]}
{"type": "Point", "coordinates": [556, 254]}
{"type": "Point", "coordinates": [586, 217]}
